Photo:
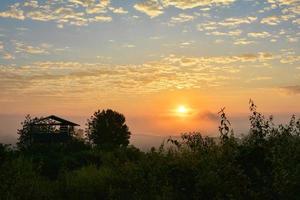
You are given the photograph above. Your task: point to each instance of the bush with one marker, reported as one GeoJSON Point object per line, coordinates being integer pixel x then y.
{"type": "Point", "coordinates": [265, 164]}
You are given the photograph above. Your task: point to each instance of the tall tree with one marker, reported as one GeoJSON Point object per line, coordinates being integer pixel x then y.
{"type": "Point", "coordinates": [30, 134]}
{"type": "Point", "coordinates": [26, 132]}
{"type": "Point", "coordinates": [107, 129]}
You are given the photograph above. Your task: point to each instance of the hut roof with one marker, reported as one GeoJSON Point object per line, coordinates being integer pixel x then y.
{"type": "Point", "coordinates": [54, 120]}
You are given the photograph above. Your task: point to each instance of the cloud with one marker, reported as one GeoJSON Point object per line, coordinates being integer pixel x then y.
{"type": "Point", "coordinates": [259, 34]}
{"type": "Point", "coordinates": [100, 19]}
{"type": "Point", "coordinates": [186, 44]}
{"type": "Point", "coordinates": [119, 10]}
{"type": "Point", "coordinates": [283, 2]}
{"type": "Point", "coordinates": [71, 12]}
{"type": "Point", "coordinates": [150, 7]}
{"type": "Point", "coordinates": [31, 3]}
{"type": "Point", "coordinates": [237, 21]}
{"type": "Point", "coordinates": [83, 79]}
{"type": "Point", "coordinates": [228, 33]}
{"type": "Point", "coordinates": [207, 116]}
{"type": "Point", "coordinates": [154, 8]}
{"type": "Point", "coordinates": [8, 56]}
{"type": "Point", "coordinates": [25, 48]}
{"type": "Point", "coordinates": [13, 12]}
{"type": "Point", "coordinates": [294, 90]}
{"type": "Point", "coordinates": [128, 45]}
{"type": "Point", "coordinates": [272, 20]}
{"type": "Point", "coordinates": [227, 27]}
{"type": "Point", "coordinates": [289, 9]}
{"type": "Point", "coordinates": [292, 39]}
{"type": "Point", "coordinates": [84, 3]}
{"type": "Point", "coordinates": [4, 54]}
{"type": "Point", "coordinates": [181, 18]}
{"type": "Point", "coordinates": [297, 21]}
{"type": "Point", "coordinates": [187, 4]}
{"type": "Point", "coordinates": [243, 41]}
{"type": "Point", "coordinates": [290, 59]}
{"type": "Point", "coordinates": [260, 78]}
{"type": "Point", "coordinates": [170, 72]}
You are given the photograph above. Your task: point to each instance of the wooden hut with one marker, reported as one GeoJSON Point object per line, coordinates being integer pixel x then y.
{"type": "Point", "coordinates": [53, 129]}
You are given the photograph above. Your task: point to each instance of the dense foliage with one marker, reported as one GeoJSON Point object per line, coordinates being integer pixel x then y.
{"type": "Point", "coordinates": [107, 129]}
{"type": "Point", "coordinates": [32, 134]}
{"type": "Point", "coordinates": [264, 164]}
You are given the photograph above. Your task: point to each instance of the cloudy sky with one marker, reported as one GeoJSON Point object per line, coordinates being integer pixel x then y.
{"type": "Point", "coordinates": [148, 58]}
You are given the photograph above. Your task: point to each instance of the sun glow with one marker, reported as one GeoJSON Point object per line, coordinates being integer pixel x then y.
{"type": "Point", "coordinates": [182, 110]}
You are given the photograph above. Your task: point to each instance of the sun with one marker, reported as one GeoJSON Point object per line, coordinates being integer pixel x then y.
{"type": "Point", "coordinates": [182, 110]}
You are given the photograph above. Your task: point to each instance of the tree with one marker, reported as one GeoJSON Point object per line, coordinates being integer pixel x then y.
{"type": "Point", "coordinates": [107, 129]}
{"type": "Point", "coordinates": [26, 132]}
{"type": "Point", "coordinates": [30, 134]}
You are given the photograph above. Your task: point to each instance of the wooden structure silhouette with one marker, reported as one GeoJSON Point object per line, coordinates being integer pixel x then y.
{"type": "Point", "coordinates": [52, 129]}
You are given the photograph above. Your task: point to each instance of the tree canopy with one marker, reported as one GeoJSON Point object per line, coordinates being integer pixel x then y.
{"type": "Point", "coordinates": [107, 129]}
{"type": "Point", "coordinates": [31, 133]}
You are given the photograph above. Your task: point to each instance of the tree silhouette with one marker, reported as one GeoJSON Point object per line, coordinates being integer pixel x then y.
{"type": "Point", "coordinates": [31, 133]}
{"type": "Point", "coordinates": [107, 129]}
{"type": "Point", "coordinates": [28, 132]}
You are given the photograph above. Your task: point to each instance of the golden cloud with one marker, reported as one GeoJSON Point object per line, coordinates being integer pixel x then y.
{"type": "Point", "coordinates": [186, 4]}
{"type": "Point", "coordinates": [73, 12]}
{"type": "Point", "coordinates": [154, 8]}
{"type": "Point", "coordinates": [150, 7]}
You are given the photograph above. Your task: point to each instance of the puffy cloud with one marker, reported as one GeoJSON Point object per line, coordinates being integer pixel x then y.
{"type": "Point", "coordinates": [170, 72]}
{"type": "Point", "coordinates": [289, 8]}
{"type": "Point", "coordinates": [150, 7]}
{"type": "Point", "coordinates": [259, 34]}
{"type": "Point", "coordinates": [260, 78]}
{"type": "Point", "coordinates": [218, 26]}
{"type": "Point", "coordinates": [243, 41]}
{"type": "Point", "coordinates": [101, 19]}
{"type": "Point", "coordinates": [25, 48]}
{"type": "Point", "coordinates": [95, 8]}
{"type": "Point", "coordinates": [119, 10]}
{"type": "Point", "coordinates": [181, 18]}
{"type": "Point", "coordinates": [237, 21]}
{"type": "Point", "coordinates": [207, 26]}
{"type": "Point", "coordinates": [283, 2]}
{"type": "Point", "coordinates": [84, 3]}
{"type": "Point", "coordinates": [73, 12]}
{"type": "Point", "coordinates": [14, 12]}
{"type": "Point", "coordinates": [297, 21]}
{"type": "Point", "coordinates": [4, 54]}
{"type": "Point", "coordinates": [40, 16]}
{"type": "Point", "coordinates": [228, 33]}
{"type": "Point", "coordinates": [271, 20]}
{"type": "Point", "coordinates": [31, 3]}
{"type": "Point", "coordinates": [7, 56]}
{"type": "Point", "coordinates": [186, 4]}
{"type": "Point", "coordinates": [290, 59]}
{"type": "Point", "coordinates": [128, 45]}
{"type": "Point", "coordinates": [154, 8]}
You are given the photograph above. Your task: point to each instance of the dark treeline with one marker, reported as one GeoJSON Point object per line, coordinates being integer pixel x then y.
{"type": "Point", "coordinates": [263, 164]}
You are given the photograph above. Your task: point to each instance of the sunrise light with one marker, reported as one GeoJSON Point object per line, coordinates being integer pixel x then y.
{"type": "Point", "coordinates": [182, 109]}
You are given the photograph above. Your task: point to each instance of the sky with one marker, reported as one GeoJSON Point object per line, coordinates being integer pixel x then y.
{"type": "Point", "coordinates": [168, 65]}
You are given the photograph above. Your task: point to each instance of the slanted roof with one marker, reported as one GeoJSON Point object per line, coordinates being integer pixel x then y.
{"type": "Point", "coordinates": [59, 121]}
